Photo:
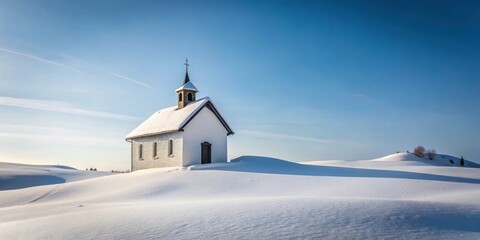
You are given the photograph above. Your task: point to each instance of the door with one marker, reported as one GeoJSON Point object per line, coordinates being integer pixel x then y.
{"type": "Point", "coordinates": [206, 152]}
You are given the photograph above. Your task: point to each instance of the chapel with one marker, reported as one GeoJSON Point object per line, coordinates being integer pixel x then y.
{"type": "Point", "coordinates": [192, 132]}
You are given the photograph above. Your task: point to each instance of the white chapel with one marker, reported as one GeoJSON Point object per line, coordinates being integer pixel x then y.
{"type": "Point", "coordinates": [193, 132]}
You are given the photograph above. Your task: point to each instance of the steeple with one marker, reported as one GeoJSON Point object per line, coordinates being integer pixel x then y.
{"type": "Point", "coordinates": [186, 93]}
{"type": "Point", "coordinates": [186, 79]}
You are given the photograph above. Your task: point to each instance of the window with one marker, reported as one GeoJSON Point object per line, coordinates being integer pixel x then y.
{"type": "Point", "coordinates": [170, 147]}
{"type": "Point", "coordinates": [155, 149]}
{"type": "Point", "coordinates": [140, 151]}
{"type": "Point", "coordinates": [180, 97]}
{"type": "Point", "coordinates": [189, 97]}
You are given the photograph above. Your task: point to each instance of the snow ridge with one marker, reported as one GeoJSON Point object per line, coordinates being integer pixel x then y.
{"type": "Point", "coordinates": [253, 197]}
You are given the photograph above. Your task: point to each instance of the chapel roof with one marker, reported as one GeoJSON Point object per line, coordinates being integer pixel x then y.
{"type": "Point", "coordinates": [173, 119]}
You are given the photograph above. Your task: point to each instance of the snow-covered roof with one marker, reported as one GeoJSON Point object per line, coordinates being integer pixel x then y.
{"type": "Point", "coordinates": [187, 86]}
{"type": "Point", "coordinates": [173, 119]}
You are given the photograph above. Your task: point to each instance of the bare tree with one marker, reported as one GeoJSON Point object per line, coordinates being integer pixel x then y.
{"type": "Point", "coordinates": [419, 151]}
{"type": "Point", "coordinates": [431, 154]}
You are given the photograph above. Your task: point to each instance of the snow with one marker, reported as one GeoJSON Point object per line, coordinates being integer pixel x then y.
{"type": "Point", "coordinates": [15, 175]}
{"type": "Point", "coordinates": [438, 160]}
{"type": "Point", "coordinates": [253, 198]}
{"type": "Point", "coordinates": [187, 86]}
{"type": "Point", "coordinates": [168, 120]}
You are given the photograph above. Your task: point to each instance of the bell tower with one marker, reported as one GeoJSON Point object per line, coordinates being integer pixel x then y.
{"type": "Point", "coordinates": [186, 93]}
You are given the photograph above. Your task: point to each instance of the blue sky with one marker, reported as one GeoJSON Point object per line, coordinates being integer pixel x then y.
{"type": "Point", "coordinates": [301, 81]}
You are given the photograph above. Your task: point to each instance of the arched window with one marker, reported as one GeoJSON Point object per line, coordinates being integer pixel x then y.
{"type": "Point", "coordinates": [155, 149]}
{"type": "Point", "coordinates": [180, 97]}
{"type": "Point", "coordinates": [189, 97]}
{"type": "Point", "coordinates": [170, 147]}
{"type": "Point", "coordinates": [140, 151]}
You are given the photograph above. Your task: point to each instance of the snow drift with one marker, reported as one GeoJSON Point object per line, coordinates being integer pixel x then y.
{"type": "Point", "coordinates": [254, 197]}
{"type": "Point", "coordinates": [438, 160]}
{"type": "Point", "coordinates": [15, 176]}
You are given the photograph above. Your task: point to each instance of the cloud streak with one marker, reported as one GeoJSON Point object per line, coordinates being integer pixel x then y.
{"type": "Point", "coordinates": [44, 60]}
{"type": "Point", "coordinates": [57, 106]}
{"type": "Point", "coordinates": [62, 139]}
{"type": "Point", "coordinates": [360, 96]}
{"type": "Point", "coordinates": [114, 74]}
{"type": "Point", "coordinates": [126, 78]}
{"type": "Point", "coordinates": [35, 128]}
{"type": "Point", "coordinates": [40, 59]}
{"type": "Point", "coordinates": [290, 137]}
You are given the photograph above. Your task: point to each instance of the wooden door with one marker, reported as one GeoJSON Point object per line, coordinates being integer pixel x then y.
{"type": "Point", "coordinates": [206, 152]}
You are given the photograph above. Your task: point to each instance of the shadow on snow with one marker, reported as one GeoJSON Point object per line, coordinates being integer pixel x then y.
{"type": "Point", "coordinates": [25, 181]}
{"type": "Point", "coordinates": [268, 165]}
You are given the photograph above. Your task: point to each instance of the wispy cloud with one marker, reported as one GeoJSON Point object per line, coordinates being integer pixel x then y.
{"type": "Point", "coordinates": [34, 128]}
{"type": "Point", "coordinates": [111, 73]}
{"type": "Point", "coordinates": [285, 136]}
{"type": "Point", "coordinates": [360, 96]}
{"type": "Point", "coordinates": [44, 60]}
{"type": "Point", "coordinates": [57, 106]}
{"type": "Point", "coordinates": [40, 59]}
{"type": "Point", "coordinates": [125, 78]}
{"type": "Point", "coordinates": [63, 139]}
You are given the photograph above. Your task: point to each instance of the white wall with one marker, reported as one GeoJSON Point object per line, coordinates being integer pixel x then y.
{"type": "Point", "coordinates": [162, 159]}
{"type": "Point", "coordinates": [205, 127]}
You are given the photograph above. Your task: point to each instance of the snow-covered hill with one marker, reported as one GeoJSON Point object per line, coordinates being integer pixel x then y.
{"type": "Point", "coordinates": [15, 175]}
{"type": "Point", "coordinates": [254, 198]}
{"type": "Point", "coordinates": [438, 160]}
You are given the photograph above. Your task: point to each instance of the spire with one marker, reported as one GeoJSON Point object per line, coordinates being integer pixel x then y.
{"type": "Point", "coordinates": [186, 93]}
{"type": "Point", "coordinates": [186, 79]}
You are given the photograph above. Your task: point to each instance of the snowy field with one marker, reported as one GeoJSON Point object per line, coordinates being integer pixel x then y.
{"type": "Point", "coordinates": [396, 197]}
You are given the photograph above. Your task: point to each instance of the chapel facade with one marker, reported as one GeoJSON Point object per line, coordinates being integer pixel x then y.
{"type": "Point", "coordinates": [192, 132]}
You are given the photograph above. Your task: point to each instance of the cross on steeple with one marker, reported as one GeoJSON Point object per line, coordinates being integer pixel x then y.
{"type": "Point", "coordinates": [186, 64]}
